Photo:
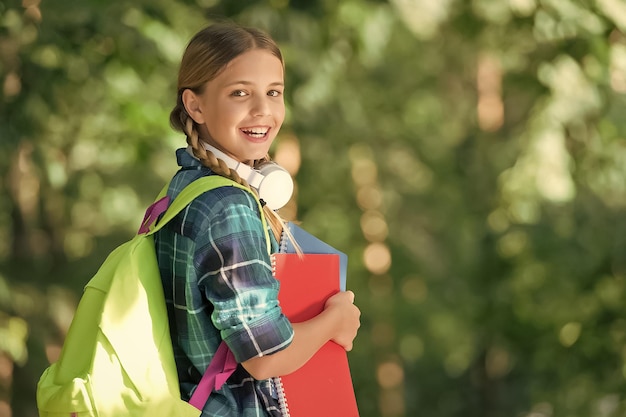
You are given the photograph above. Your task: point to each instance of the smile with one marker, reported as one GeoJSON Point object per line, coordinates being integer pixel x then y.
{"type": "Point", "coordinates": [256, 133]}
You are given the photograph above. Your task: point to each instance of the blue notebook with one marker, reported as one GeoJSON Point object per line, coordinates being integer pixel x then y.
{"type": "Point", "coordinates": [310, 244]}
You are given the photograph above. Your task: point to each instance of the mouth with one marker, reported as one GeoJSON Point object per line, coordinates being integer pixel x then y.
{"type": "Point", "coordinates": [256, 132]}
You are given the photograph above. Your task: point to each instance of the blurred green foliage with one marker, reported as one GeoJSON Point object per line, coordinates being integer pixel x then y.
{"type": "Point", "coordinates": [468, 155]}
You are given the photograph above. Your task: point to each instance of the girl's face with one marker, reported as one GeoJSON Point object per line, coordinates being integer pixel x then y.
{"type": "Point", "coordinates": [241, 110]}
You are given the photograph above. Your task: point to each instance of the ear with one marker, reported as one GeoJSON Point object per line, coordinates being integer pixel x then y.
{"type": "Point", "coordinates": [192, 104]}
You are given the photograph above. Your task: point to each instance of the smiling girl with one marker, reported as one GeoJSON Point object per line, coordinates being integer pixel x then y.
{"type": "Point", "coordinates": [213, 257]}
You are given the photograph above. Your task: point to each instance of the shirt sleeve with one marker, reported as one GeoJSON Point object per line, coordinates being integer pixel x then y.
{"type": "Point", "coordinates": [235, 273]}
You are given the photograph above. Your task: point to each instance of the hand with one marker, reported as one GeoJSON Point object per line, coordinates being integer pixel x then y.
{"type": "Point", "coordinates": [346, 318]}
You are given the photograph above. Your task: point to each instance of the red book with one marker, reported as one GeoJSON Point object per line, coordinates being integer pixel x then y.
{"type": "Point", "coordinates": [324, 382]}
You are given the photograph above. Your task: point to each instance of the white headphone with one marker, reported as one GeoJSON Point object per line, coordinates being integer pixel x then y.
{"type": "Point", "coordinates": [273, 183]}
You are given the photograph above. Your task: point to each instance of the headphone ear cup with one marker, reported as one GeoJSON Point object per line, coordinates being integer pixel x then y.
{"type": "Point", "coordinates": [276, 187]}
{"type": "Point", "coordinates": [273, 183]}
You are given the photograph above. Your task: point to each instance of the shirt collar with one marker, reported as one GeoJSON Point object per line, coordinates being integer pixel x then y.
{"type": "Point", "coordinates": [187, 161]}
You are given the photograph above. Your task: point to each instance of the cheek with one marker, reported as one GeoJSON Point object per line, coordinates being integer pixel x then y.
{"type": "Point", "coordinates": [227, 115]}
{"type": "Point", "coordinates": [279, 113]}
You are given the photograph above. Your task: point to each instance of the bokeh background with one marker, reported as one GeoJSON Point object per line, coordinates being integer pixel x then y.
{"type": "Point", "coordinates": [468, 155]}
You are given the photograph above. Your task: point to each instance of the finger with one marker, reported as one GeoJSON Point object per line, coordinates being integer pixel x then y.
{"type": "Point", "coordinates": [351, 294]}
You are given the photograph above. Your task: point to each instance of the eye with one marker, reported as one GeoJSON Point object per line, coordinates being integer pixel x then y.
{"type": "Point", "coordinates": [238, 93]}
{"type": "Point", "coordinates": [274, 93]}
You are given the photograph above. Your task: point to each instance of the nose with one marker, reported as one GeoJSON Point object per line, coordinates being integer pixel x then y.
{"type": "Point", "coordinates": [261, 106]}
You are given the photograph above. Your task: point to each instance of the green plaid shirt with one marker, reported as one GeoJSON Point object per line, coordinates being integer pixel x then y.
{"type": "Point", "coordinates": [218, 285]}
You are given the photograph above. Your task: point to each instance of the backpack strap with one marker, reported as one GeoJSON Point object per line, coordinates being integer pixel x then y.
{"type": "Point", "coordinates": [150, 225]}
{"type": "Point", "coordinates": [221, 367]}
{"type": "Point", "coordinates": [154, 211]}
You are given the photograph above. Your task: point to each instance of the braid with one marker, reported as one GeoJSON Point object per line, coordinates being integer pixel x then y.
{"type": "Point", "coordinates": [275, 221]}
{"type": "Point", "coordinates": [219, 167]}
{"type": "Point", "coordinates": [207, 158]}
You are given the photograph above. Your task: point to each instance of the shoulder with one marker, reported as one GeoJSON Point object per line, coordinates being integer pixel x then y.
{"type": "Point", "coordinates": [225, 202]}
{"type": "Point", "coordinates": [227, 205]}
{"type": "Point", "coordinates": [225, 195]}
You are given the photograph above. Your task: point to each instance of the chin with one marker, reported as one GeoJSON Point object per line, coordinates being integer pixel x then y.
{"type": "Point", "coordinates": [259, 155]}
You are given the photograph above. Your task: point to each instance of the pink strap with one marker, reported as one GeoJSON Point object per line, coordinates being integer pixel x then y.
{"type": "Point", "coordinates": [220, 369]}
{"type": "Point", "coordinates": [152, 213]}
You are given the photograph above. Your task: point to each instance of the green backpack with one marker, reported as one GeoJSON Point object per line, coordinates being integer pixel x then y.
{"type": "Point", "coordinates": [117, 359]}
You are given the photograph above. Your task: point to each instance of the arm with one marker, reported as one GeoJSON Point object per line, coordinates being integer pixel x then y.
{"type": "Point", "coordinates": [338, 322]}
{"type": "Point", "coordinates": [237, 277]}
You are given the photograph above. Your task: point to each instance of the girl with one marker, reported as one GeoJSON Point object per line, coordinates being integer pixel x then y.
{"type": "Point", "coordinates": [213, 257]}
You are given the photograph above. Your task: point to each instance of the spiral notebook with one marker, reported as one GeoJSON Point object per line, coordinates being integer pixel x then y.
{"type": "Point", "coordinates": [306, 282]}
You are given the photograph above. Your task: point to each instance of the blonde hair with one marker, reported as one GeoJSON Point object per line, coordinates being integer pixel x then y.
{"type": "Point", "coordinates": [206, 55]}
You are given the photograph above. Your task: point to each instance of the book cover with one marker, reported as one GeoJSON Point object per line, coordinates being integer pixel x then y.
{"type": "Point", "coordinates": [306, 282]}
{"type": "Point", "coordinates": [311, 244]}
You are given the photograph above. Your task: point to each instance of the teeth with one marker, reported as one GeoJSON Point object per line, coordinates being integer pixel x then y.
{"type": "Point", "coordinates": [256, 131]}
